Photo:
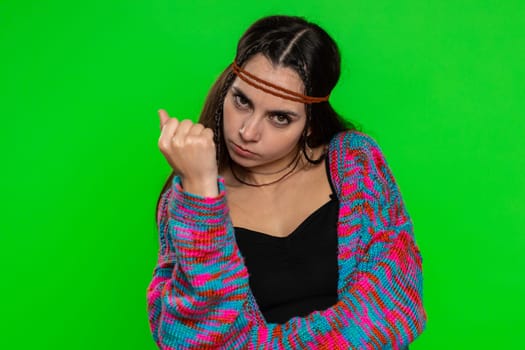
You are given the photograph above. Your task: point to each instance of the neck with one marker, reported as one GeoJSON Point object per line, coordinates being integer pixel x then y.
{"type": "Point", "coordinates": [256, 178]}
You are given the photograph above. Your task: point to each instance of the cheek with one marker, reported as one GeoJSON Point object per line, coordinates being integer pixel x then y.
{"type": "Point", "coordinates": [283, 143]}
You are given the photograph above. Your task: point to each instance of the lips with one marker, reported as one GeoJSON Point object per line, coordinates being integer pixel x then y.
{"type": "Point", "coordinates": [243, 152]}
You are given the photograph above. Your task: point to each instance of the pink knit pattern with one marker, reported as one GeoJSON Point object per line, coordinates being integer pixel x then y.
{"type": "Point", "coordinates": [199, 297]}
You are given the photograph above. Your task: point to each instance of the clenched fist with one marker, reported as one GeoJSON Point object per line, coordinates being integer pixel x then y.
{"type": "Point", "coordinates": [190, 150]}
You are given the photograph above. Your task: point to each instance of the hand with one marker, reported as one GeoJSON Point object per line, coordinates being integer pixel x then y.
{"type": "Point", "coordinates": [190, 151]}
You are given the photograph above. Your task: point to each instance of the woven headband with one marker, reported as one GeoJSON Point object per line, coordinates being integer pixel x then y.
{"type": "Point", "coordinates": [281, 92]}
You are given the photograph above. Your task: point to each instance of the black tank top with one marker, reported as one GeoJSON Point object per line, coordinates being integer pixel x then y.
{"type": "Point", "coordinates": [297, 274]}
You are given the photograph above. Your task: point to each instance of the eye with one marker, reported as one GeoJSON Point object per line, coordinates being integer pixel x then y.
{"type": "Point", "coordinates": [241, 101]}
{"type": "Point", "coordinates": [280, 119]}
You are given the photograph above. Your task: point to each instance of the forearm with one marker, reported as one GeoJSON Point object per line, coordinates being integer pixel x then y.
{"type": "Point", "coordinates": [380, 308]}
{"type": "Point", "coordinates": [198, 302]}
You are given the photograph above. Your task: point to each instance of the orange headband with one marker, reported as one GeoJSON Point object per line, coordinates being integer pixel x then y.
{"type": "Point", "coordinates": [284, 93]}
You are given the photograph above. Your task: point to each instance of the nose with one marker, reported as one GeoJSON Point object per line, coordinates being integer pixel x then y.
{"type": "Point", "coordinates": [251, 129]}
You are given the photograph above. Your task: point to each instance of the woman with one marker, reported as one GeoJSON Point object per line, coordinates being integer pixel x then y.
{"type": "Point", "coordinates": [281, 227]}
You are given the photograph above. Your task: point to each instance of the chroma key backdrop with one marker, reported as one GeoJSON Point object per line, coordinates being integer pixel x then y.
{"type": "Point", "coordinates": [440, 85]}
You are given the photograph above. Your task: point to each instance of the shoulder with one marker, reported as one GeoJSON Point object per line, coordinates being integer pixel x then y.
{"type": "Point", "coordinates": [356, 158]}
{"type": "Point", "coordinates": [354, 148]}
{"type": "Point", "coordinates": [353, 141]}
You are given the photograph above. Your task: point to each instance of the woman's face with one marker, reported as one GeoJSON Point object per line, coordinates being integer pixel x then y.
{"type": "Point", "coordinates": [262, 131]}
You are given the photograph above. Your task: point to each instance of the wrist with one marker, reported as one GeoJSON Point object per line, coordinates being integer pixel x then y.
{"type": "Point", "coordinates": [205, 187]}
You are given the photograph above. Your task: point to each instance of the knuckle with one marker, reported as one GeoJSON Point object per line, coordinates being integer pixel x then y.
{"type": "Point", "coordinates": [193, 139]}
{"type": "Point", "coordinates": [186, 123]}
{"type": "Point", "coordinates": [197, 128]}
{"type": "Point", "coordinates": [178, 143]}
{"type": "Point", "coordinates": [162, 144]}
{"type": "Point", "coordinates": [197, 141]}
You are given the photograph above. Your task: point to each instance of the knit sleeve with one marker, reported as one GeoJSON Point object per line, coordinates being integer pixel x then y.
{"type": "Point", "coordinates": [200, 283]}
{"type": "Point", "coordinates": [207, 303]}
{"type": "Point", "coordinates": [164, 268]}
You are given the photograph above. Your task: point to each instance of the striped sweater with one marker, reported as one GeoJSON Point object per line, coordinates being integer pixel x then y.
{"type": "Point", "coordinates": [199, 297]}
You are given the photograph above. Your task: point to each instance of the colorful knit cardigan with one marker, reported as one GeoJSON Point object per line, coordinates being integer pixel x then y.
{"type": "Point", "coordinates": [200, 298]}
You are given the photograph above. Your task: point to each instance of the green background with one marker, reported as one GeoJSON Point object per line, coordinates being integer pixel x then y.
{"type": "Point", "coordinates": [439, 84]}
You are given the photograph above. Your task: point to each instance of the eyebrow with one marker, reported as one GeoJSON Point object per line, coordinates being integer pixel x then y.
{"type": "Point", "coordinates": [275, 111]}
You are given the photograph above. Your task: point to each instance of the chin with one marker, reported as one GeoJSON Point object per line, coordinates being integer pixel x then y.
{"type": "Point", "coordinates": [242, 162]}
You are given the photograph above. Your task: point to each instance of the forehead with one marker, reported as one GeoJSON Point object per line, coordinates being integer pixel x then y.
{"type": "Point", "coordinates": [284, 77]}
